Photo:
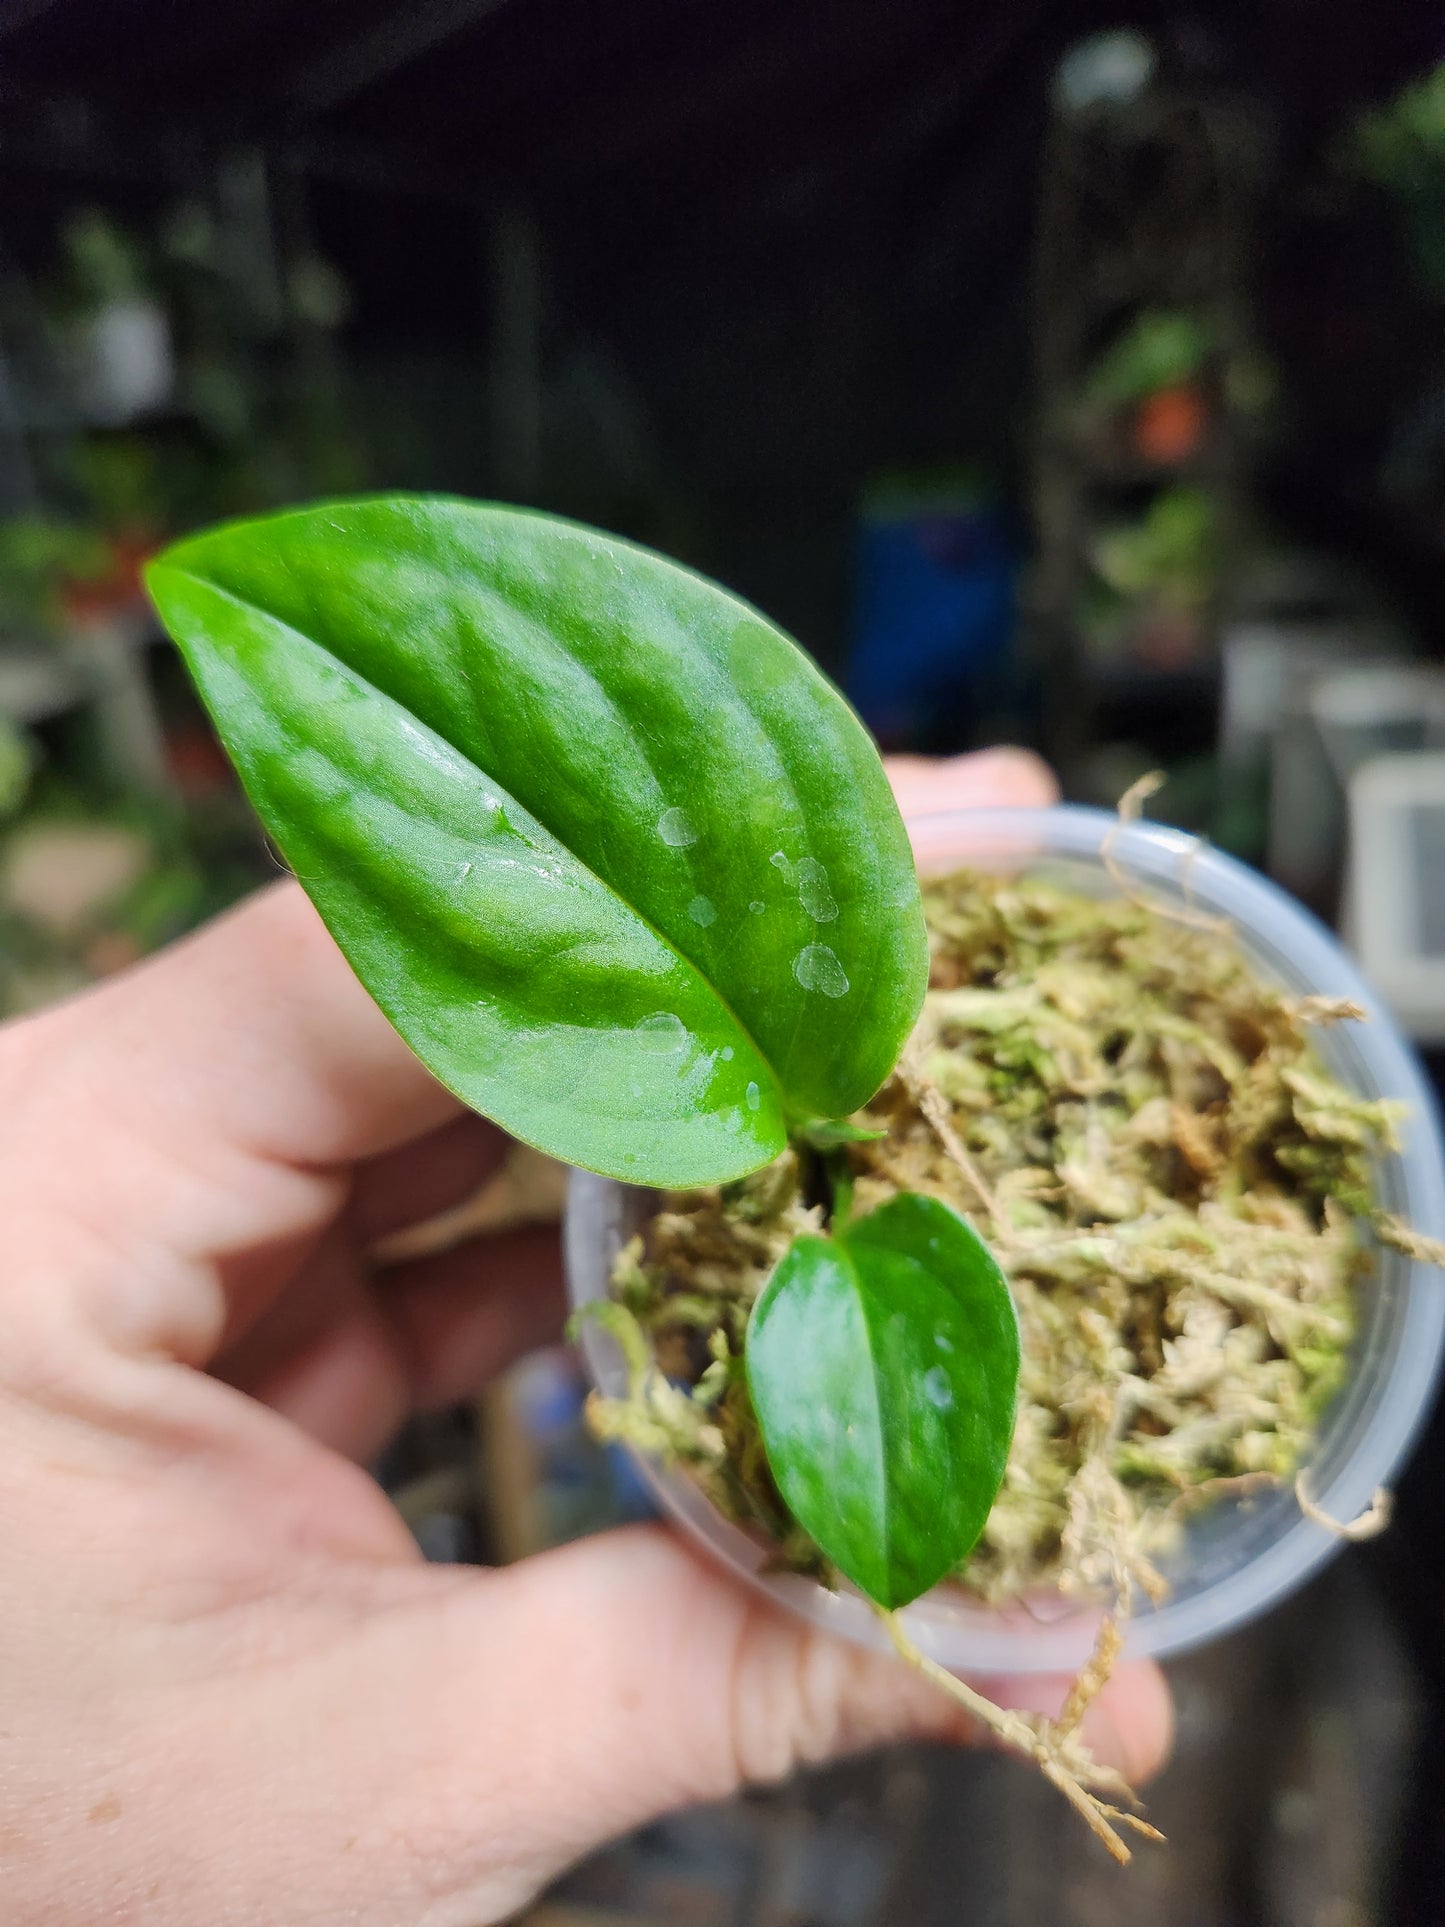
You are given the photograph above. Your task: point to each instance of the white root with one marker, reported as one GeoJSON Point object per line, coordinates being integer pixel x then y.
{"type": "Point", "coordinates": [1053, 1745]}
{"type": "Point", "coordinates": [1370, 1524]}
{"type": "Point", "coordinates": [1130, 810]}
{"type": "Point", "coordinates": [932, 1105]}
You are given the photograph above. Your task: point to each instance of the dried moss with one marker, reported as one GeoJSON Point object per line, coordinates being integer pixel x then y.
{"type": "Point", "coordinates": [1171, 1179]}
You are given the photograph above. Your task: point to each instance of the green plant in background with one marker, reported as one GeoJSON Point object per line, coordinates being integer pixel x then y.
{"type": "Point", "coordinates": [1169, 556]}
{"type": "Point", "coordinates": [626, 873]}
{"type": "Point", "coordinates": [39, 555]}
{"type": "Point", "coordinates": [92, 879]}
{"type": "Point", "coordinates": [1154, 576]}
{"type": "Point", "coordinates": [1160, 348]}
{"type": "Point", "coordinates": [276, 425]}
{"type": "Point", "coordinates": [1401, 148]}
{"type": "Point", "coordinates": [102, 263]}
{"type": "Point", "coordinates": [122, 480]}
{"type": "Point", "coordinates": [17, 762]}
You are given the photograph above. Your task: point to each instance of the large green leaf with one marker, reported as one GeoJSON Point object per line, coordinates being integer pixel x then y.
{"type": "Point", "coordinates": [617, 861]}
{"type": "Point", "coordinates": [883, 1365]}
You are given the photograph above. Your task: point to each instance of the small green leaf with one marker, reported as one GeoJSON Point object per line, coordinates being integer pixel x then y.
{"type": "Point", "coordinates": [829, 1133]}
{"type": "Point", "coordinates": [620, 865]}
{"type": "Point", "coordinates": [883, 1366]}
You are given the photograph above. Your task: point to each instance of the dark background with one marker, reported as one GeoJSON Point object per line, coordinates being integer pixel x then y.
{"type": "Point", "coordinates": [772, 249]}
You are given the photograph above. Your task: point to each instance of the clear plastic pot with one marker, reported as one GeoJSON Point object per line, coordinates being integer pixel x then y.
{"type": "Point", "coordinates": [1239, 1557]}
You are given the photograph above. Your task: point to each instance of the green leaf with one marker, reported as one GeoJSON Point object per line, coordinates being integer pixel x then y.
{"type": "Point", "coordinates": [830, 1133]}
{"type": "Point", "coordinates": [620, 865]}
{"type": "Point", "coordinates": [883, 1365]}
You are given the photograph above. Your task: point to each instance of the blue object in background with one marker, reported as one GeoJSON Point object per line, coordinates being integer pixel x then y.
{"type": "Point", "coordinates": [634, 1495]}
{"type": "Point", "coordinates": [580, 1486]}
{"type": "Point", "coordinates": [936, 610]}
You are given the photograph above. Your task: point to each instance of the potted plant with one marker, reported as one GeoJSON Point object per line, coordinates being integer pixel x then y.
{"type": "Point", "coordinates": [626, 873]}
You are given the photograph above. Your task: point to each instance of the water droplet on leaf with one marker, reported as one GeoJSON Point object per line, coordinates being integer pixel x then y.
{"type": "Point", "coordinates": [943, 1341]}
{"type": "Point", "coordinates": [780, 862]}
{"type": "Point", "coordinates": [675, 827]}
{"type": "Point", "coordinates": [816, 967]}
{"type": "Point", "coordinates": [817, 898]}
{"type": "Point", "coordinates": [754, 1097]}
{"type": "Point", "coordinates": [756, 907]}
{"type": "Point", "coordinates": [701, 911]}
{"type": "Point", "coordinates": [727, 1053]}
{"type": "Point", "coordinates": [662, 1033]}
{"type": "Point", "coordinates": [937, 1390]}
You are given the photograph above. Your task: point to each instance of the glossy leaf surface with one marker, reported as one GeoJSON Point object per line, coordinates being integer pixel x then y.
{"type": "Point", "coordinates": [883, 1366]}
{"type": "Point", "coordinates": [617, 861]}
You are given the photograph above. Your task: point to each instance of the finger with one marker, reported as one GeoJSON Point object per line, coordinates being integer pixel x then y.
{"type": "Point", "coordinates": [466, 1315]}
{"type": "Point", "coordinates": [348, 1386]}
{"type": "Point", "coordinates": [261, 1353]}
{"type": "Point", "coordinates": [215, 1161]}
{"type": "Point", "coordinates": [347, 1357]}
{"type": "Point", "coordinates": [537, 1712]}
{"type": "Point", "coordinates": [272, 1044]}
{"type": "Point", "coordinates": [985, 780]}
{"type": "Point", "coordinates": [430, 1175]}
{"type": "Point", "coordinates": [653, 1628]}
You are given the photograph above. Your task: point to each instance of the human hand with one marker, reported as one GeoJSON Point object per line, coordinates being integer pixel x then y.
{"type": "Point", "coordinates": [230, 1690]}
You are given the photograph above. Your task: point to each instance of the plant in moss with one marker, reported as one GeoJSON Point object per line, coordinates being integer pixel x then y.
{"type": "Point", "coordinates": [625, 872]}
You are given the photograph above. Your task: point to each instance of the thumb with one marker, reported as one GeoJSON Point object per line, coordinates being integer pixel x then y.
{"type": "Point", "coordinates": [560, 1702]}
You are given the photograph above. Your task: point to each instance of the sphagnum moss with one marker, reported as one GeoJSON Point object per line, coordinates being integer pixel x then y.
{"type": "Point", "coordinates": [1142, 1130]}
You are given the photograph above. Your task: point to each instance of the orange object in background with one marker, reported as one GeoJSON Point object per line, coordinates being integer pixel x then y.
{"type": "Point", "coordinates": [119, 590]}
{"type": "Point", "coordinates": [197, 763]}
{"type": "Point", "coordinates": [1170, 425]}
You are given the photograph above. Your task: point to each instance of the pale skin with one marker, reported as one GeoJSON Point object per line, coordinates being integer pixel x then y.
{"type": "Point", "coordinates": [230, 1690]}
